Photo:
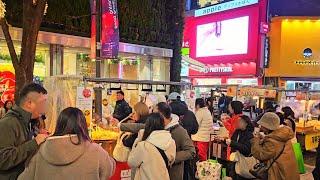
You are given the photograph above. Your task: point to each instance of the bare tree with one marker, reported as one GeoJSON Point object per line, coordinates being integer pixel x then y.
{"type": "Point", "coordinates": [33, 12]}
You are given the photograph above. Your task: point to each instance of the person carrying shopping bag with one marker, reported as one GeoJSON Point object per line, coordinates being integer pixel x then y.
{"type": "Point", "coordinates": [155, 153]}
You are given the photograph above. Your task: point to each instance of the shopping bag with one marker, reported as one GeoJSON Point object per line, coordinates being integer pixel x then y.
{"type": "Point", "coordinates": [209, 170]}
{"type": "Point", "coordinates": [122, 172]}
{"type": "Point", "coordinates": [244, 164]}
{"type": "Point", "coordinates": [299, 157]}
{"type": "Point", "coordinates": [121, 152]}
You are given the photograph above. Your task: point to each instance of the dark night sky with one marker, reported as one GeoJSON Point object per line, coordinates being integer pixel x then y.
{"type": "Point", "coordinates": [295, 7]}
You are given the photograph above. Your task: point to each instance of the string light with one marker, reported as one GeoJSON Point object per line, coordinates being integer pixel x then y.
{"type": "Point", "coordinates": [2, 9]}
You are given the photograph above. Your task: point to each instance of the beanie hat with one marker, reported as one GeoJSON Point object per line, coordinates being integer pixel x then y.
{"type": "Point", "coordinates": [270, 121]}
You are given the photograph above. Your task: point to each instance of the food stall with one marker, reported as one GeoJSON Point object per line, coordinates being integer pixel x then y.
{"type": "Point", "coordinates": [305, 104]}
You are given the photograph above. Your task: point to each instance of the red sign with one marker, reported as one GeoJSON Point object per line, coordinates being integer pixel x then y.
{"type": "Point", "coordinates": [225, 70]}
{"type": "Point", "coordinates": [7, 86]}
{"type": "Point", "coordinates": [109, 29]}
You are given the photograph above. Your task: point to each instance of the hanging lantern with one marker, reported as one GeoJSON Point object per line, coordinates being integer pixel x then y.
{"type": "Point", "coordinates": [2, 9]}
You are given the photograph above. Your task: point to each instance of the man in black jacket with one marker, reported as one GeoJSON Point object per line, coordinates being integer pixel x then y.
{"type": "Point", "coordinates": [122, 109]}
{"type": "Point", "coordinates": [189, 122]}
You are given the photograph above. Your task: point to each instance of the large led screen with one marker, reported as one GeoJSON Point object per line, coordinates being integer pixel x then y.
{"type": "Point", "coordinates": [227, 37]}
{"type": "Point", "coordinates": [224, 37]}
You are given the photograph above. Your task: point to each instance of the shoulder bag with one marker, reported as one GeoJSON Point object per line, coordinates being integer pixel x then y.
{"type": "Point", "coordinates": [260, 170]}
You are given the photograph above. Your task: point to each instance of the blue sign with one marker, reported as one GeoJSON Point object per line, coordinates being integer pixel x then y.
{"type": "Point", "coordinates": [224, 7]}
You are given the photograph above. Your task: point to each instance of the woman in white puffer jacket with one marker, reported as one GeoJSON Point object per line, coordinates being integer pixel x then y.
{"type": "Point", "coordinates": [205, 121]}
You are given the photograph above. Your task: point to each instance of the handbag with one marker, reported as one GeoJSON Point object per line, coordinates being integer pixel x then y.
{"type": "Point", "coordinates": [121, 152]}
{"type": "Point", "coordinates": [244, 164]}
{"type": "Point", "coordinates": [260, 170]}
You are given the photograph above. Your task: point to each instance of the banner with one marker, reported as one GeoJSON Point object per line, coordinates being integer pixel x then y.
{"type": "Point", "coordinates": [109, 29]}
{"type": "Point", "coordinates": [249, 91]}
{"type": "Point", "coordinates": [93, 30]}
{"type": "Point", "coordinates": [84, 102]}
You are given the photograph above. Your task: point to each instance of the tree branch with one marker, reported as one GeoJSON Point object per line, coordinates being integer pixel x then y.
{"type": "Point", "coordinates": [12, 51]}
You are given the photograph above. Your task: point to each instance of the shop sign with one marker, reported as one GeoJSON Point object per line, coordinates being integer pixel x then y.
{"type": "Point", "coordinates": [266, 52]}
{"type": "Point", "coordinates": [232, 91]}
{"type": "Point", "coordinates": [251, 92]}
{"type": "Point", "coordinates": [84, 102]}
{"type": "Point", "coordinates": [312, 141]}
{"type": "Point", "coordinates": [270, 93]}
{"type": "Point", "coordinates": [109, 29]}
{"type": "Point", "coordinates": [226, 69]}
{"type": "Point", "coordinates": [315, 96]}
{"type": "Point", "coordinates": [224, 7]}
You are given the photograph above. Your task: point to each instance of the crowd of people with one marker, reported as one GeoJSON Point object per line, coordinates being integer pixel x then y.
{"type": "Point", "coordinates": [164, 142]}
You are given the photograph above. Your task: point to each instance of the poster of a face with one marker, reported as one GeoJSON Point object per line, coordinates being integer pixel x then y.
{"type": "Point", "coordinates": [227, 37]}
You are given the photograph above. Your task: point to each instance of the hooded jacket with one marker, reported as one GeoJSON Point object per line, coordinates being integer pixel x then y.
{"type": "Point", "coordinates": [265, 150]}
{"type": "Point", "coordinates": [205, 122]}
{"type": "Point", "coordinates": [58, 158]}
{"type": "Point", "coordinates": [184, 146]}
{"type": "Point", "coordinates": [147, 159]}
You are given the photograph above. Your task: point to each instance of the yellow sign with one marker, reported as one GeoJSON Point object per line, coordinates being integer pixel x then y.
{"type": "Point", "coordinates": [312, 141]}
{"type": "Point", "coordinates": [232, 91]}
{"type": "Point", "coordinates": [249, 91]}
{"type": "Point", "coordinates": [295, 48]}
{"type": "Point", "coordinates": [270, 93]}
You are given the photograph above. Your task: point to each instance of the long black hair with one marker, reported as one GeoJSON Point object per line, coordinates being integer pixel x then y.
{"type": "Point", "coordinates": [5, 105]}
{"type": "Point", "coordinates": [72, 121]}
{"type": "Point", "coordinates": [288, 112]}
{"type": "Point", "coordinates": [237, 107]}
{"type": "Point", "coordinates": [154, 122]}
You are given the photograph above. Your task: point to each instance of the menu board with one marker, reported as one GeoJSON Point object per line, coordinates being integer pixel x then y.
{"type": "Point", "coordinates": [84, 102]}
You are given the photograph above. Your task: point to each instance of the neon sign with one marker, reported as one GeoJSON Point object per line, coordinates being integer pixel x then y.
{"type": "Point", "coordinates": [224, 7]}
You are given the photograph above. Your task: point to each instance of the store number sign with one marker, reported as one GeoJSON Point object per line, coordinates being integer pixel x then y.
{"type": "Point", "coordinates": [312, 141]}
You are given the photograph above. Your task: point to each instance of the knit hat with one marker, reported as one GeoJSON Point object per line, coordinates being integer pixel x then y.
{"type": "Point", "coordinates": [270, 121]}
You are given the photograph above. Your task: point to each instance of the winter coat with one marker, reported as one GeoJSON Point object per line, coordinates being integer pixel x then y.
{"type": "Point", "coordinates": [240, 141]}
{"type": "Point", "coordinates": [265, 150]}
{"type": "Point", "coordinates": [231, 124]}
{"type": "Point", "coordinates": [205, 122]}
{"type": "Point", "coordinates": [184, 146]}
{"type": "Point", "coordinates": [130, 139]}
{"type": "Point", "coordinates": [147, 159]}
{"type": "Point", "coordinates": [16, 144]}
{"type": "Point", "coordinates": [316, 171]}
{"type": "Point", "coordinates": [59, 158]}
{"type": "Point", "coordinates": [122, 110]}
{"type": "Point", "coordinates": [187, 118]}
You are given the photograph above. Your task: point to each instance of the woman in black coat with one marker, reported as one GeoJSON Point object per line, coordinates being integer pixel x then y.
{"type": "Point", "coordinates": [240, 141]}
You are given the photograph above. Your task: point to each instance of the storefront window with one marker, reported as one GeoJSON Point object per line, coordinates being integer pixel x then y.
{"type": "Point", "coordinates": [76, 61]}
{"type": "Point", "coordinates": [161, 69]}
{"type": "Point", "coordinates": [42, 59]}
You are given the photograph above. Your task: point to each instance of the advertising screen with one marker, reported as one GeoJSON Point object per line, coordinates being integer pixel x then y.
{"type": "Point", "coordinates": [220, 38]}
{"type": "Point", "coordinates": [225, 37]}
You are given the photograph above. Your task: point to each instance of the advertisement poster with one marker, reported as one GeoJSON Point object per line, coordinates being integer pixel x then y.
{"type": "Point", "coordinates": [7, 86]}
{"type": "Point", "coordinates": [270, 93]}
{"type": "Point", "coordinates": [109, 29]}
{"type": "Point", "coordinates": [84, 102]}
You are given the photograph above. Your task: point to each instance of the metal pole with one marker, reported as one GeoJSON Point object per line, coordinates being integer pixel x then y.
{"type": "Point", "coordinates": [98, 91]}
